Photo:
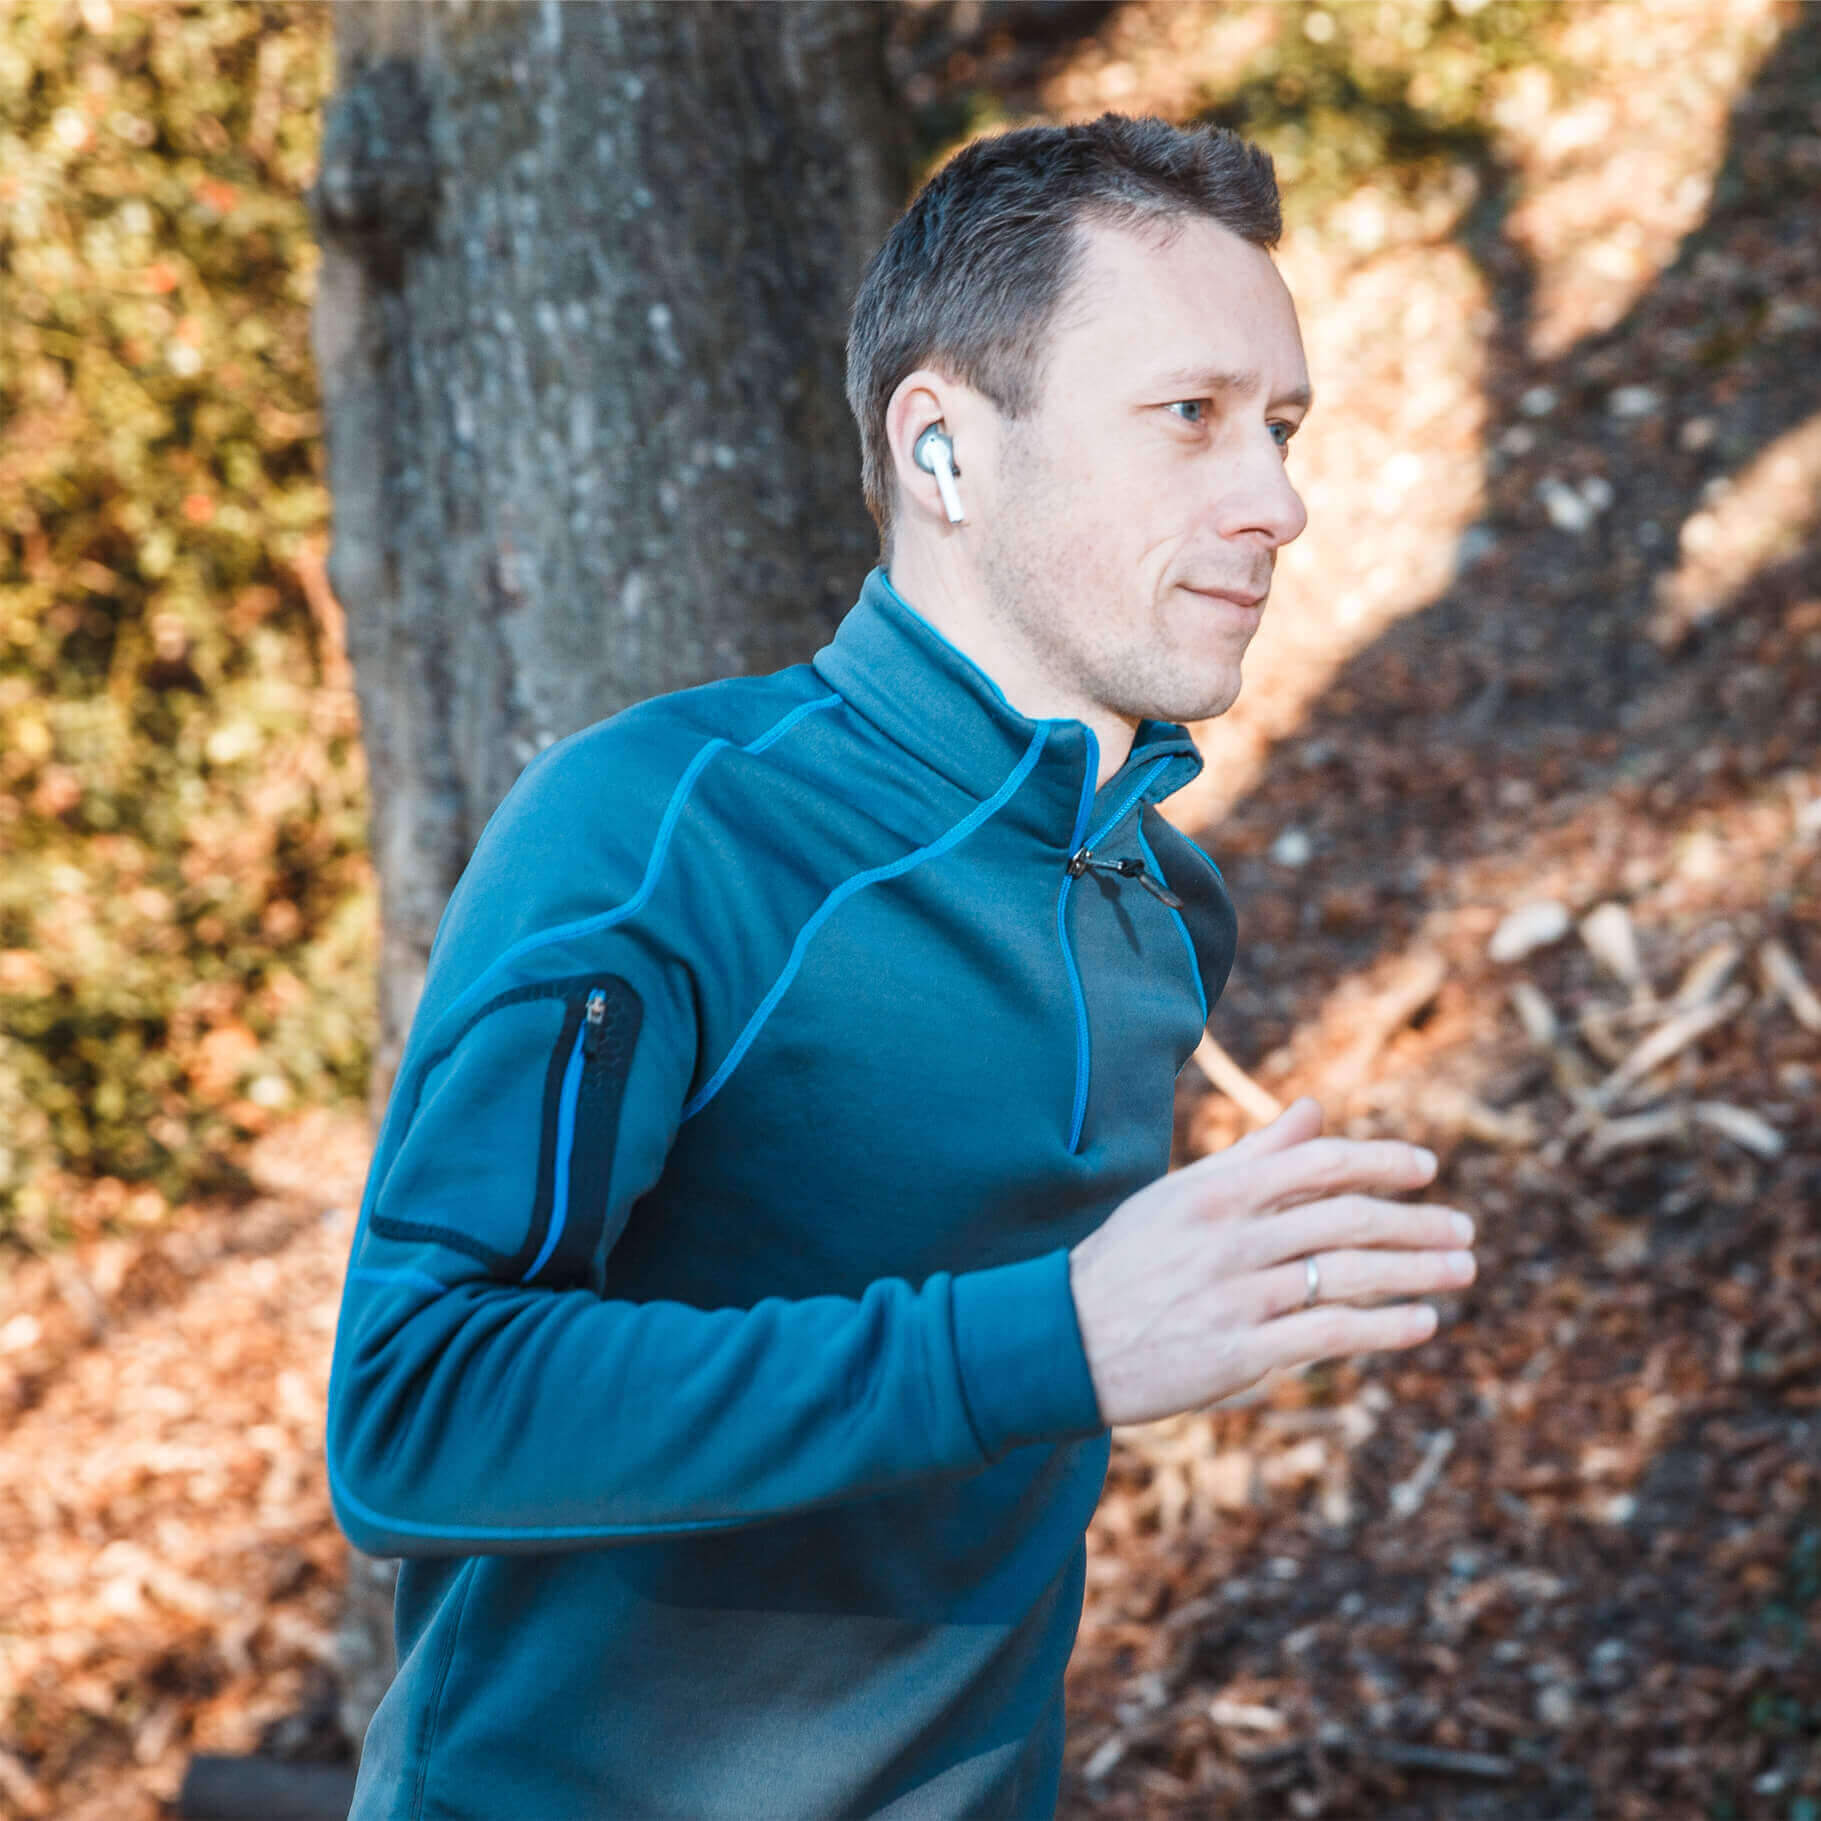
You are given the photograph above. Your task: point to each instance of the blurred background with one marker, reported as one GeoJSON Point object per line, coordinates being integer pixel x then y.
{"type": "Point", "coordinates": [1520, 806]}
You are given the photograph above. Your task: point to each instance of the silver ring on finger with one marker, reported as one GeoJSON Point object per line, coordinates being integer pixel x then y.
{"type": "Point", "coordinates": [1312, 1273]}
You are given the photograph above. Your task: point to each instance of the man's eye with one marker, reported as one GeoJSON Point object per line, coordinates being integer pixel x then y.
{"type": "Point", "coordinates": [1289, 431]}
{"type": "Point", "coordinates": [1192, 410]}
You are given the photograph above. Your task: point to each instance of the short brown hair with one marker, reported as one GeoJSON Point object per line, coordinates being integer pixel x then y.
{"type": "Point", "coordinates": [971, 276]}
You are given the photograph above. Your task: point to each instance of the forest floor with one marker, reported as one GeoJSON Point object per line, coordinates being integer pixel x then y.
{"type": "Point", "coordinates": [1522, 812]}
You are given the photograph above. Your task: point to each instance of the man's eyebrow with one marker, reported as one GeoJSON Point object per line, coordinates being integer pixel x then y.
{"type": "Point", "coordinates": [1217, 379]}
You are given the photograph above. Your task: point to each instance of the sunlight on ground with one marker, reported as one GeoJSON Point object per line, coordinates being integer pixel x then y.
{"type": "Point", "coordinates": [1760, 517]}
{"type": "Point", "coordinates": [1613, 184]}
{"type": "Point", "coordinates": [1393, 308]}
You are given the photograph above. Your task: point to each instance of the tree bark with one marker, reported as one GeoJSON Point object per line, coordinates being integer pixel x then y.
{"type": "Point", "coordinates": [579, 322]}
{"type": "Point", "coordinates": [579, 325]}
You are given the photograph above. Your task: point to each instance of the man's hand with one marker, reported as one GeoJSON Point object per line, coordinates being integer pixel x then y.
{"type": "Point", "coordinates": [1194, 1288]}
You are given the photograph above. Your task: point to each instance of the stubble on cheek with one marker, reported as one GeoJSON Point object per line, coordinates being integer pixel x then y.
{"type": "Point", "coordinates": [1030, 558]}
{"type": "Point", "coordinates": [1104, 623]}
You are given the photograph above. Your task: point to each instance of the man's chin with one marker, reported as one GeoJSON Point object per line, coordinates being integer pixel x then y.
{"type": "Point", "coordinates": [1201, 708]}
{"type": "Point", "coordinates": [1202, 667]}
{"type": "Point", "coordinates": [1212, 698]}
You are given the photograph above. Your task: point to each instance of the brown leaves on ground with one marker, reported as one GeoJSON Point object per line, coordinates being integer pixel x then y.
{"type": "Point", "coordinates": [1553, 638]}
{"type": "Point", "coordinates": [174, 1573]}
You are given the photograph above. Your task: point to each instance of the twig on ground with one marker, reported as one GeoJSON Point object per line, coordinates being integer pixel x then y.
{"type": "Point", "coordinates": [1452, 1109]}
{"type": "Point", "coordinates": [1414, 982]}
{"type": "Point", "coordinates": [1610, 938]}
{"type": "Point", "coordinates": [1669, 1040]}
{"type": "Point", "coordinates": [1675, 1125]}
{"type": "Point", "coordinates": [1246, 1716]}
{"type": "Point", "coordinates": [1535, 1014]}
{"type": "Point", "coordinates": [1749, 1130]}
{"type": "Point", "coordinates": [1239, 1087]}
{"type": "Point", "coordinates": [1407, 1496]}
{"type": "Point", "coordinates": [1434, 1757]}
{"type": "Point", "coordinates": [1387, 1751]}
{"type": "Point", "coordinates": [1666, 1125]}
{"type": "Point", "coordinates": [1104, 1757]}
{"type": "Point", "coordinates": [20, 1787]}
{"type": "Point", "coordinates": [1785, 978]}
{"type": "Point", "coordinates": [1707, 973]}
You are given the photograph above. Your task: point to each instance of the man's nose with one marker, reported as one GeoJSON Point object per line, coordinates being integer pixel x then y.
{"type": "Point", "coordinates": [1261, 499]}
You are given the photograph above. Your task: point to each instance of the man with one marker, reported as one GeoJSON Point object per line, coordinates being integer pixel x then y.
{"type": "Point", "coordinates": [771, 1214]}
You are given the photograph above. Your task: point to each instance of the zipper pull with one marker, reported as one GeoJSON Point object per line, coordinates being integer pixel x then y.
{"type": "Point", "coordinates": [1083, 859]}
{"type": "Point", "coordinates": [1134, 869]}
{"type": "Point", "coordinates": [596, 1022]}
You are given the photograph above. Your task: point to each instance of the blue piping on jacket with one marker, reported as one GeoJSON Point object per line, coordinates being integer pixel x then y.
{"type": "Point", "coordinates": [1090, 781]}
{"type": "Point", "coordinates": [1083, 1052]}
{"type": "Point", "coordinates": [565, 1150]}
{"type": "Point", "coordinates": [1204, 854]}
{"type": "Point", "coordinates": [981, 813]}
{"type": "Point", "coordinates": [1188, 942]}
{"type": "Point", "coordinates": [660, 847]}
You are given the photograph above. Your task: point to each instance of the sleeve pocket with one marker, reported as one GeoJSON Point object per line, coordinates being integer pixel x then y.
{"type": "Point", "coordinates": [511, 1130]}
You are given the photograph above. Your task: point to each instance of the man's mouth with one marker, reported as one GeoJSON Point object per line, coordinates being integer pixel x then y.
{"type": "Point", "coordinates": [1237, 596]}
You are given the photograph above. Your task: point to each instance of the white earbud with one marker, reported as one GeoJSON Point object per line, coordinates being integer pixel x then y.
{"type": "Point", "coordinates": [935, 454]}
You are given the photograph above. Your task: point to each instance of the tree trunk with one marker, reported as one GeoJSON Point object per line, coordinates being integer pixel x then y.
{"type": "Point", "coordinates": [579, 320]}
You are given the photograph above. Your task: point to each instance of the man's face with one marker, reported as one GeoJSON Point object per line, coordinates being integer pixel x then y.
{"type": "Point", "coordinates": [1143, 479]}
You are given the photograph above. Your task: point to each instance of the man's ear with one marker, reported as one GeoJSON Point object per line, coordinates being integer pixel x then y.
{"type": "Point", "coordinates": [921, 399]}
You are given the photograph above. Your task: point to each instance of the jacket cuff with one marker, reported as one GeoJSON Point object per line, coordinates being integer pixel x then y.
{"type": "Point", "coordinates": [1024, 1374]}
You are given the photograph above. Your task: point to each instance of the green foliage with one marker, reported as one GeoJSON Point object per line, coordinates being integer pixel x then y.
{"type": "Point", "coordinates": [1395, 90]}
{"type": "Point", "coordinates": [1342, 93]}
{"type": "Point", "coordinates": [186, 910]}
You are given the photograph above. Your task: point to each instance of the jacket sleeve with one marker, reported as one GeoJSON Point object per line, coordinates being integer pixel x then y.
{"type": "Point", "coordinates": [486, 1397]}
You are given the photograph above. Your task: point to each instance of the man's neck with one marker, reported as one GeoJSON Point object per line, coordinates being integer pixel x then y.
{"type": "Point", "coordinates": [954, 606]}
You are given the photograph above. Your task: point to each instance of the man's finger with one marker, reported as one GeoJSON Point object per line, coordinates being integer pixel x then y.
{"type": "Point", "coordinates": [1349, 1273]}
{"type": "Point", "coordinates": [1342, 1333]}
{"type": "Point", "coordinates": [1351, 1220]}
{"type": "Point", "coordinates": [1325, 1167]}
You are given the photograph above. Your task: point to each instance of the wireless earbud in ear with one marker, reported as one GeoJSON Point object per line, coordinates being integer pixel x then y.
{"type": "Point", "coordinates": [935, 454]}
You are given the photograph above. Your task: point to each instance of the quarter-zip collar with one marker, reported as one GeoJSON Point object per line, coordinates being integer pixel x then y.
{"type": "Point", "coordinates": [927, 696]}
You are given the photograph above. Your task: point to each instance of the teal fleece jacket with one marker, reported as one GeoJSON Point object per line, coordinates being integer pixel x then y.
{"type": "Point", "coordinates": [707, 1349]}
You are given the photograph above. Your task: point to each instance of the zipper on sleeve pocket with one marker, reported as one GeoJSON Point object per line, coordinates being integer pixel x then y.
{"type": "Point", "coordinates": [587, 1125]}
